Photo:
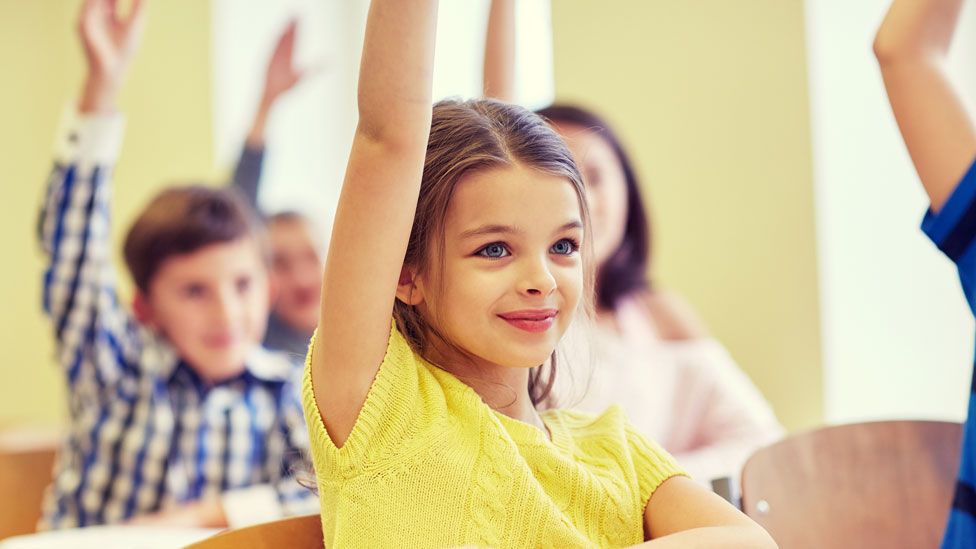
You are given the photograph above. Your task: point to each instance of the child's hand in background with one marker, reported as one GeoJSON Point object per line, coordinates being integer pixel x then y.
{"type": "Point", "coordinates": [110, 42]}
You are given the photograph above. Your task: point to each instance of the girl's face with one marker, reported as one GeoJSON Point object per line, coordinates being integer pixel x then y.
{"type": "Point", "coordinates": [606, 187]}
{"type": "Point", "coordinates": [511, 275]}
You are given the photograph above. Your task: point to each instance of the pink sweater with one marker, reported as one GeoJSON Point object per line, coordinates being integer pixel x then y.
{"type": "Point", "coordinates": [689, 396]}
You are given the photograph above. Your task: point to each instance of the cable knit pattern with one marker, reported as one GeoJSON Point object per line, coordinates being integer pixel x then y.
{"type": "Point", "coordinates": [429, 464]}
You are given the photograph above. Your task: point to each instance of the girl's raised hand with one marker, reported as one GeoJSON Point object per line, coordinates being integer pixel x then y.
{"type": "Point", "coordinates": [376, 208]}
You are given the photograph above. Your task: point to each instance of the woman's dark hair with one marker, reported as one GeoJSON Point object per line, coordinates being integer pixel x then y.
{"type": "Point", "coordinates": [625, 271]}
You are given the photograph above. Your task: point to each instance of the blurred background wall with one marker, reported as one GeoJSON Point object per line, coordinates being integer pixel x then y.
{"type": "Point", "coordinates": [711, 98]}
{"type": "Point", "coordinates": [167, 105]}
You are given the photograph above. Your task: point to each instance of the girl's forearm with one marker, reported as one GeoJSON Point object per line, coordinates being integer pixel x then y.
{"type": "Point", "coordinates": [499, 68]}
{"type": "Point", "coordinates": [395, 74]}
{"type": "Point", "coordinates": [716, 537]}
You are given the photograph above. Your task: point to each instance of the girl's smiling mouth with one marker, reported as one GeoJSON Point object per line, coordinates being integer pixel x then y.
{"type": "Point", "coordinates": [531, 320]}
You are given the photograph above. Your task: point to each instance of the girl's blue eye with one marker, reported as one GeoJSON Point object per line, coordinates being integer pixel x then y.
{"type": "Point", "coordinates": [494, 251]}
{"type": "Point", "coordinates": [564, 247]}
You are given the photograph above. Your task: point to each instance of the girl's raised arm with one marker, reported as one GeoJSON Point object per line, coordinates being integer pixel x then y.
{"type": "Point", "coordinates": [376, 207]}
{"type": "Point", "coordinates": [911, 48]}
{"type": "Point", "coordinates": [499, 68]}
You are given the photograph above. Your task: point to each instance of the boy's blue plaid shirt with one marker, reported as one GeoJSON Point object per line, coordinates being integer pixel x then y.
{"type": "Point", "coordinates": [145, 431]}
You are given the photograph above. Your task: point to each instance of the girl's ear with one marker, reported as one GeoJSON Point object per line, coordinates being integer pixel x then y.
{"type": "Point", "coordinates": [408, 290]}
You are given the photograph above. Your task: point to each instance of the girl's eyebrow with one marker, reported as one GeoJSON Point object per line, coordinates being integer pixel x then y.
{"type": "Point", "coordinates": [574, 224]}
{"type": "Point", "coordinates": [511, 229]}
{"type": "Point", "coordinates": [490, 229]}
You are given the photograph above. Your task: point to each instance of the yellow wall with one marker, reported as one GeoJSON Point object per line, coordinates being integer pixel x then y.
{"type": "Point", "coordinates": [167, 103]}
{"type": "Point", "coordinates": [711, 97]}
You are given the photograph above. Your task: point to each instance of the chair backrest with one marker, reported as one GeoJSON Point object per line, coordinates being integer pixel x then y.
{"type": "Point", "coordinates": [297, 532]}
{"type": "Point", "coordinates": [885, 484]}
{"type": "Point", "coordinates": [26, 461]}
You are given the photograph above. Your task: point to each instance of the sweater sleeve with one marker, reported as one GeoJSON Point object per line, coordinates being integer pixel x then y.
{"type": "Point", "coordinates": [653, 464]}
{"type": "Point", "coordinates": [394, 410]}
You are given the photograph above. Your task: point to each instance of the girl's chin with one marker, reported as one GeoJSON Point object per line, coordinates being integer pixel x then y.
{"type": "Point", "coordinates": [530, 360]}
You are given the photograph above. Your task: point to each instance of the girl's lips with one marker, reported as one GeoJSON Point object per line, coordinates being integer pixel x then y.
{"type": "Point", "coordinates": [534, 320]}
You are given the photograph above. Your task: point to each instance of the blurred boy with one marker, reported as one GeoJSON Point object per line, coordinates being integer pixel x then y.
{"type": "Point", "coordinates": [178, 416]}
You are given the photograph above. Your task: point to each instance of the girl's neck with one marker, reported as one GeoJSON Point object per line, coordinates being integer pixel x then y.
{"type": "Point", "coordinates": [504, 389]}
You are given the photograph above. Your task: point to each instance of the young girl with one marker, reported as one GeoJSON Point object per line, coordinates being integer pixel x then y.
{"type": "Point", "coordinates": [466, 225]}
{"type": "Point", "coordinates": [911, 47]}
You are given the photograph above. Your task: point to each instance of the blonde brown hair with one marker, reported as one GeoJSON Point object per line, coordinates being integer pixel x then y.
{"type": "Point", "coordinates": [466, 136]}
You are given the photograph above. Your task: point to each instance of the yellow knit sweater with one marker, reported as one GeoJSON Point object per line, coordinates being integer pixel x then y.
{"type": "Point", "coordinates": [429, 464]}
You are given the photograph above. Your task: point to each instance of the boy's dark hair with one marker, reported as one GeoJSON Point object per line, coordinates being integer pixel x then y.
{"type": "Point", "coordinates": [183, 219]}
{"type": "Point", "coordinates": [625, 272]}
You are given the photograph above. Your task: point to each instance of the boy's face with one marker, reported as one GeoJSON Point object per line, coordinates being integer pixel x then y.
{"type": "Point", "coordinates": [212, 305]}
{"type": "Point", "coordinates": [297, 272]}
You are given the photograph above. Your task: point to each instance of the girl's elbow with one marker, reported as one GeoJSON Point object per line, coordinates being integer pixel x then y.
{"type": "Point", "coordinates": [408, 137]}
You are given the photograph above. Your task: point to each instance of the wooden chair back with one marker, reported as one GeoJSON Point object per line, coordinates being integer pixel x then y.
{"type": "Point", "coordinates": [883, 484]}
